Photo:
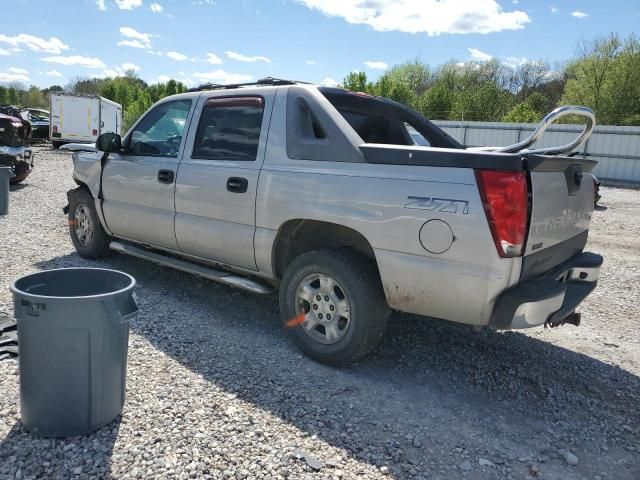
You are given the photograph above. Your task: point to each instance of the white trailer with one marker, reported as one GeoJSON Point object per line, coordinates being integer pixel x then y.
{"type": "Point", "coordinates": [81, 118]}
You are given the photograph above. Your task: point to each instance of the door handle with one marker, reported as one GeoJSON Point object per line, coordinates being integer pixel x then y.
{"type": "Point", "coordinates": [166, 176]}
{"type": "Point", "coordinates": [237, 184]}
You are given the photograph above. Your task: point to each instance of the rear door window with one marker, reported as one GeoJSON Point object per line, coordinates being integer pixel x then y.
{"type": "Point", "coordinates": [229, 129]}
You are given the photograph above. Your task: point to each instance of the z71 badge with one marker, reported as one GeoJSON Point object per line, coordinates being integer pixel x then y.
{"type": "Point", "coordinates": [446, 205]}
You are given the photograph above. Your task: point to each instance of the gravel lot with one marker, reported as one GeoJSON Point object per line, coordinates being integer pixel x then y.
{"type": "Point", "coordinates": [215, 390]}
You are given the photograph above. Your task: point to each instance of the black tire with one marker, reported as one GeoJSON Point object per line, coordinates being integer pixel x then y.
{"type": "Point", "coordinates": [56, 144]}
{"type": "Point", "coordinates": [358, 278]}
{"type": "Point", "coordinates": [21, 171]}
{"type": "Point", "coordinates": [95, 245]}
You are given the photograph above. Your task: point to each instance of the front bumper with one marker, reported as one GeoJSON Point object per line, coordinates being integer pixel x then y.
{"type": "Point", "coordinates": [20, 159]}
{"type": "Point", "coordinates": [549, 298]}
{"type": "Point", "coordinates": [40, 132]}
{"type": "Point", "coordinates": [18, 153]}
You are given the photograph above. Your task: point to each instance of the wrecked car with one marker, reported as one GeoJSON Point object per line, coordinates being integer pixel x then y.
{"type": "Point", "coordinates": [329, 196]}
{"type": "Point", "coordinates": [15, 132]}
{"type": "Point", "coordinates": [39, 120]}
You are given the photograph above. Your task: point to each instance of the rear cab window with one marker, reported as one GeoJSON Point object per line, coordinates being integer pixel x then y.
{"type": "Point", "coordinates": [378, 120]}
{"type": "Point", "coordinates": [229, 129]}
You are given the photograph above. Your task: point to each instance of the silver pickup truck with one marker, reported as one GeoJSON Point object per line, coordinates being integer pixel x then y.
{"type": "Point", "coordinates": [351, 205]}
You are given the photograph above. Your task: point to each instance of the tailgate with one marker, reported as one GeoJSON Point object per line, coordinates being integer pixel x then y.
{"type": "Point", "coordinates": [561, 206]}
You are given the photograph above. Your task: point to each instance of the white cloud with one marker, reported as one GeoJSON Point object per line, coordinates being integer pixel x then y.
{"type": "Point", "coordinates": [311, 62]}
{"type": "Point", "coordinates": [163, 79]}
{"type": "Point", "coordinates": [329, 82]}
{"type": "Point", "coordinates": [120, 71]}
{"type": "Point", "coordinates": [220, 76]}
{"type": "Point", "coordinates": [245, 58]}
{"type": "Point", "coordinates": [128, 4]}
{"type": "Point", "coordinates": [130, 66]}
{"type": "Point", "coordinates": [37, 44]}
{"type": "Point", "coordinates": [100, 4]}
{"type": "Point", "coordinates": [133, 33]}
{"type": "Point", "coordinates": [514, 62]}
{"type": "Point", "coordinates": [433, 17]}
{"type": "Point", "coordinates": [12, 76]}
{"type": "Point", "coordinates": [4, 52]}
{"type": "Point", "coordinates": [213, 59]}
{"type": "Point", "coordinates": [81, 61]}
{"type": "Point", "coordinates": [579, 14]}
{"type": "Point", "coordinates": [554, 10]}
{"type": "Point", "coordinates": [479, 55]}
{"type": "Point", "coordinates": [134, 38]}
{"type": "Point", "coordinates": [53, 73]}
{"type": "Point", "coordinates": [156, 7]}
{"type": "Point", "coordinates": [109, 73]}
{"type": "Point", "coordinates": [132, 43]}
{"type": "Point", "coordinates": [177, 56]}
{"type": "Point", "coordinates": [377, 65]}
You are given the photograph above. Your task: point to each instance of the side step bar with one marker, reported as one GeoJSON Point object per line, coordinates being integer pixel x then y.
{"type": "Point", "coordinates": [193, 268]}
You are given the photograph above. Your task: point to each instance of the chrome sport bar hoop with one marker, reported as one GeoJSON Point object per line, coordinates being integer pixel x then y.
{"type": "Point", "coordinates": [546, 123]}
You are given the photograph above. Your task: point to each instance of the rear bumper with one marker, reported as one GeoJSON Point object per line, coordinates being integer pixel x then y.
{"type": "Point", "coordinates": [550, 297]}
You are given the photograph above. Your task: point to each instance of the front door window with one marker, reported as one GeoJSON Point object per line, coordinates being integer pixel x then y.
{"type": "Point", "coordinates": [160, 131]}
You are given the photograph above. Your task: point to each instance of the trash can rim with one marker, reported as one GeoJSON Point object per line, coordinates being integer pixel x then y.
{"type": "Point", "coordinates": [16, 290]}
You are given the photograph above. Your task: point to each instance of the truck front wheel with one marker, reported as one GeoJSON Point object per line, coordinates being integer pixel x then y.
{"type": "Point", "coordinates": [87, 234]}
{"type": "Point", "coordinates": [333, 305]}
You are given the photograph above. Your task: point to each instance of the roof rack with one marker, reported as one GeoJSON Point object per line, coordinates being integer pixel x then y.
{"type": "Point", "coordinates": [263, 82]}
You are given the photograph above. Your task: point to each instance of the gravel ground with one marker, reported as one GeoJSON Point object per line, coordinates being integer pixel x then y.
{"type": "Point", "coordinates": [215, 390]}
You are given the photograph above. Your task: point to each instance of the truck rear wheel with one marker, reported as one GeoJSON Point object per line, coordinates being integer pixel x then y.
{"type": "Point", "coordinates": [333, 305]}
{"type": "Point", "coordinates": [87, 234]}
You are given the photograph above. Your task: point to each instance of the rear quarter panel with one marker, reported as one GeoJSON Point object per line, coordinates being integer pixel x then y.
{"type": "Point", "coordinates": [459, 284]}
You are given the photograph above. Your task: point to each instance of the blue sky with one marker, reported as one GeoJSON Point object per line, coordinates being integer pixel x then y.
{"type": "Point", "coordinates": [46, 42]}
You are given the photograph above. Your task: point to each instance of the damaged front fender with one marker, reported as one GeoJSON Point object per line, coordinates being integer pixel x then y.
{"type": "Point", "coordinates": [14, 137]}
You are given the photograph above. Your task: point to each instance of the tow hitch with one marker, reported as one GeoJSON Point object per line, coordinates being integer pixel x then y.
{"type": "Point", "coordinates": [572, 319]}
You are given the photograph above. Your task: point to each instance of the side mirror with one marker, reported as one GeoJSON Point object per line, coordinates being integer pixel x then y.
{"type": "Point", "coordinates": [109, 142]}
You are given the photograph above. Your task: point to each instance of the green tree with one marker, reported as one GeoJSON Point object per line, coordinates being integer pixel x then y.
{"type": "Point", "coordinates": [484, 102]}
{"type": "Point", "coordinates": [399, 91]}
{"type": "Point", "coordinates": [531, 110]}
{"type": "Point", "coordinates": [590, 75]}
{"type": "Point", "coordinates": [414, 75]}
{"type": "Point", "coordinates": [34, 98]}
{"type": "Point", "coordinates": [357, 82]}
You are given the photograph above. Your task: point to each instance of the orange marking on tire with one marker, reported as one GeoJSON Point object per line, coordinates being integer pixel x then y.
{"type": "Point", "coordinates": [294, 322]}
{"type": "Point", "coordinates": [72, 222]}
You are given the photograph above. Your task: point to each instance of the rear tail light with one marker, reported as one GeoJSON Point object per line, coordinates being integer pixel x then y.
{"type": "Point", "coordinates": [506, 203]}
{"type": "Point", "coordinates": [55, 129]}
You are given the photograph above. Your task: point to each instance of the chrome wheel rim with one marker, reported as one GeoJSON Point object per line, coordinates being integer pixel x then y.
{"type": "Point", "coordinates": [83, 224]}
{"type": "Point", "coordinates": [325, 307]}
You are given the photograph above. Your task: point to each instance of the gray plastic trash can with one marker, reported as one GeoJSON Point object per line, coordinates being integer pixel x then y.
{"type": "Point", "coordinates": [73, 332]}
{"type": "Point", "coordinates": [5, 175]}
